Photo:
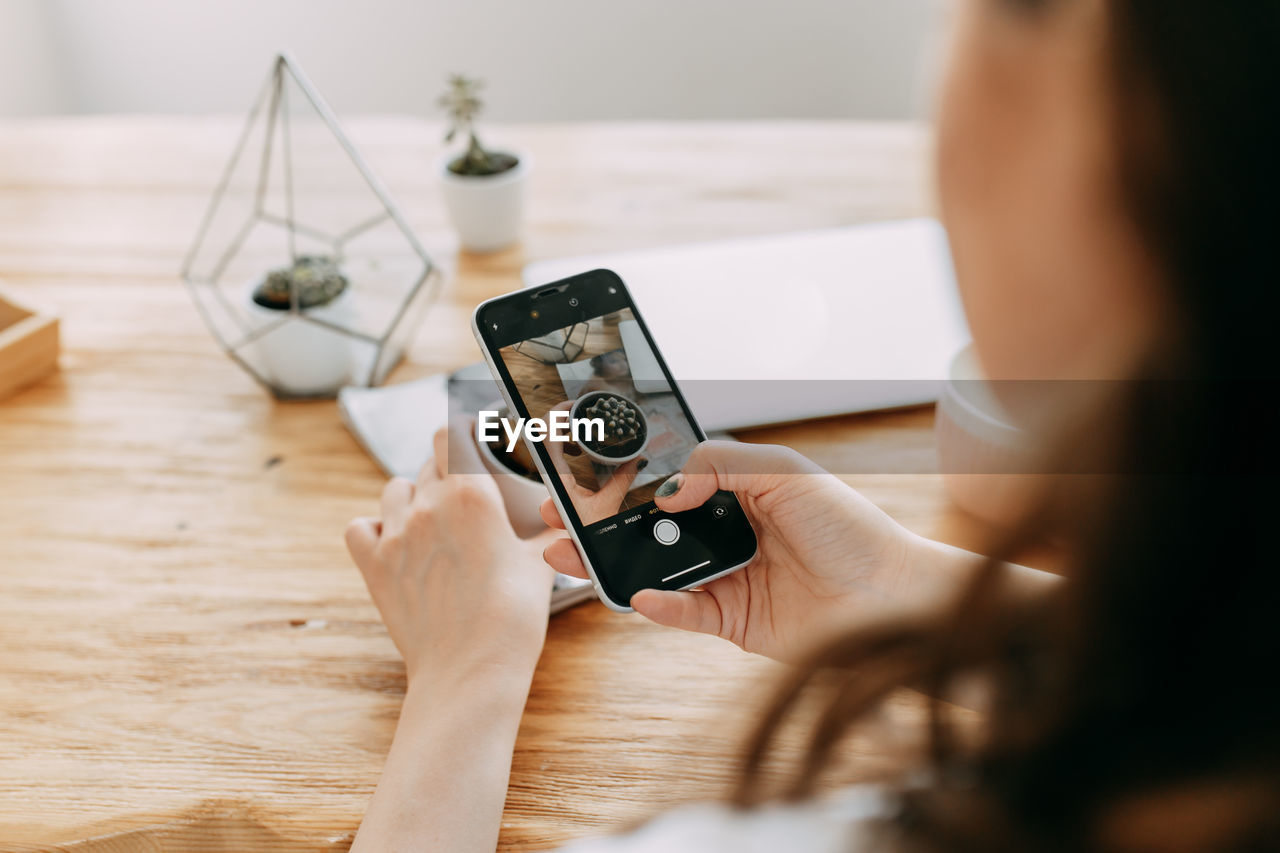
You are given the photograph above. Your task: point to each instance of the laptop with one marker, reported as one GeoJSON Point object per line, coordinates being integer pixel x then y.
{"type": "Point", "coordinates": [796, 326]}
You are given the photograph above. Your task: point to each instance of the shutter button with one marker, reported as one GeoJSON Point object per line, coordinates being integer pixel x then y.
{"type": "Point", "coordinates": [666, 531]}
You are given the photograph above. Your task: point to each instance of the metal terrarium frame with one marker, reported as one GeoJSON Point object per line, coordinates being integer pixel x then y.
{"type": "Point", "coordinates": [421, 288]}
{"type": "Point", "coordinates": [558, 347]}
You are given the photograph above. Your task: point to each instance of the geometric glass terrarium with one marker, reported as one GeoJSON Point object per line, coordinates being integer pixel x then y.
{"type": "Point", "coordinates": [558, 347]}
{"type": "Point", "coordinates": [304, 269]}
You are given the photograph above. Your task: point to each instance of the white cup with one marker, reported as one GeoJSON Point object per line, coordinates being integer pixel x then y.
{"type": "Point", "coordinates": [522, 496]}
{"type": "Point", "coordinates": [987, 462]}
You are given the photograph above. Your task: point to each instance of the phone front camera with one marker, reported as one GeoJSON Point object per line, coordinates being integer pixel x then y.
{"type": "Point", "coordinates": [573, 302]}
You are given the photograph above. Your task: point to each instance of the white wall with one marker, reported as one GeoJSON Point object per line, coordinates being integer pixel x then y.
{"type": "Point", "coordinates": [544, 59]}
{"type": "Point", "coordinates": [31, 80]}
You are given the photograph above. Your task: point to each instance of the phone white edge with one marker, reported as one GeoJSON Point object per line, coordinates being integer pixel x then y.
{"type": "Point", "coordinates": [542, 472]}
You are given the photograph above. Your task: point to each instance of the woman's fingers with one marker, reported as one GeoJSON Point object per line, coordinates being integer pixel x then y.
{"type": "Point", "coordinates": [362, 539]}
{"type": "Point", "coordinates": [749, 470]}
{"type": "Point", "coordinates": [691, 611]}
{"type": "Point", "coordinates": [562, 556]}
{"type": "Point", "coordinates": [456, 450]}
{"type": "Point", "coordinates": [537, 547]}
{"type": "Point", "coordinates": [551, 515]}
{"type": "Point", "coordinates": [396, 497]}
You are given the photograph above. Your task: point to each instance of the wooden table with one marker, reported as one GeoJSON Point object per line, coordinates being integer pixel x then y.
{"type": "Point", "coordinates": [188, 660]}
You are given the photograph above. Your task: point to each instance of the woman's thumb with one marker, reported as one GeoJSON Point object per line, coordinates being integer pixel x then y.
{"type": "Point", "coordinates": [689, 611]}
{"type": "Point", "coordinates": [749, 470]}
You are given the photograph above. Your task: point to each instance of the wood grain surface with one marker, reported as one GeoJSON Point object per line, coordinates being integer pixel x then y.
{"type": "Point", "coordinates": [188, 660]}
{"type": "Point", "coordinates": [28, 346]}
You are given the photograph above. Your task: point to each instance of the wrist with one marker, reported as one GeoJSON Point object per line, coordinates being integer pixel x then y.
{"type": "Point", "coordinates": [482, 660]}
{"type": "Point", "coordinates": [482, 686]}
{"type": "Point", "coordinates": [937, 570]}
{"type": "Point", "coordinates": [942, 570]}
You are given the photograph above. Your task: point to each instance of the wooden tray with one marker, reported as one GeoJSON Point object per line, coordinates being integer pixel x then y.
{"type": "Point", "coordinates": [28, 345]}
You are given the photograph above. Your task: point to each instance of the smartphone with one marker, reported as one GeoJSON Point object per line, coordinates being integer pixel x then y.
{"type": "Point", "coordinates": [578, 351]}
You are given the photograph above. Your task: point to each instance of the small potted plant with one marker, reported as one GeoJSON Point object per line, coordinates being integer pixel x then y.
{"type": "Point", "coordinates": [304, 359]}
{"type": "Point", "coordinates": [483, 188]}
{"type": "Point", "coordinates": [626, 432]}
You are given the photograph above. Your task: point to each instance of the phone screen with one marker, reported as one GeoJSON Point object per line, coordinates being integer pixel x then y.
{"type": "Point", "coordinates": [580, 347]}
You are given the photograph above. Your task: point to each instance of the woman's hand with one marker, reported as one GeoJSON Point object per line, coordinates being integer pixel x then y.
{"type": "Point", "coordinates": [466, 603]}
{"type": "Point", "coordinates": [455, 586]}
{"type": "Point", "coordinates": [828, 557]}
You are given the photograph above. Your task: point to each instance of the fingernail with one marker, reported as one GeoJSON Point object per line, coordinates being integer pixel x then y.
{"type": "Point", "coordinates": [642, 464]}
{"type": "Point", "coordinates": [670, 486]}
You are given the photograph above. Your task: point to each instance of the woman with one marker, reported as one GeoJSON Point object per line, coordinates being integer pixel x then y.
{"type": "Point", "coordinates": [1108, 177]}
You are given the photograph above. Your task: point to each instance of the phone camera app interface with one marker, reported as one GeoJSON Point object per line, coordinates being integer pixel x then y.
{"type": "Point", "coordinates": [604, 370]}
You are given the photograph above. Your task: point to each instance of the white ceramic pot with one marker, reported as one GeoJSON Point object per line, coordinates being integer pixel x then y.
{"type": "Point", "coordinates": [522, 496]}
{"type": "Point", "coordinates": [487, 211]}
{"type": "Point", "coordinates": [988, 463]}
{"type": "Point", "coordinates": [299, 358]}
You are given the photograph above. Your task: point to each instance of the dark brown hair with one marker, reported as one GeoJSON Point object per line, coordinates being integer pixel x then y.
{"type": "Point", "coordinates": [1134, 707]}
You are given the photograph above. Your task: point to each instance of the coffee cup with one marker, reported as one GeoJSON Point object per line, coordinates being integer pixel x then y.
{"type": "Point", "coordinates": [522, 489]}
{"type": "Point", "coordinates": [988, 461]}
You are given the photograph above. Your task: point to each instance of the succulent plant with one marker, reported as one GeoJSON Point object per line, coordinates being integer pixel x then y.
{"type": "Point", "coordinates": [624, 427]}
{"type": "Point", "coordinates": [461, 102]}
{"type": "Point", "coordinates": [318, 279]}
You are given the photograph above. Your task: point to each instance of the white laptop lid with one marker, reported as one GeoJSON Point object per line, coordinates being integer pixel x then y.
{"type": "Point", "coordinates": [868, 317]}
